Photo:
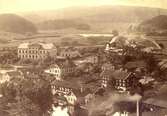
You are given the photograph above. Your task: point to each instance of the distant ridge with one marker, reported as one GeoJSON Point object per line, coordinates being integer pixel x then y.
{"type": "Point", "coordinates": [100, 18]}
{"type": "Point", "coordinates": [16, 24]}
{"type": "Point", "coordinates": [156, 23]}
{"type": "Point", "coordinates": [63, 24]}
{"type": "Point", "coordinates": [107, 13]}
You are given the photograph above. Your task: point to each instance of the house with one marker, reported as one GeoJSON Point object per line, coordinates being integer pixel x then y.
{"type": "Point", "coordinates": [72, 89]}
{"type": "Point", "coordinates": [87, 58]}
{"type": "Point", "coordinates": [136, 65]}
{"type": "Point", "coordinates": [106, 76]}
{"type": "Point", "coordinates": [86, 67]}
{"type": "Point", "coordinates": [153, 107]}
{"type": "Point", "coordinates": [36, 51]}
{"type": "Point", "coordinates": [65, 88]}
{"type": "Point", "coordinates": [69, 52]}
{"type": "Point", "coordinates": [6, 77]}
{"type": "Point", "coordinates": [59, 106]}
{"type": "Point", "coordinates": [123, 80]}
{"type": "Point", "coordinates": [107, 66]}
{"type": "Point", "coordinates": [146, 80]}
{"type": "Point", "coordinates": [61, 69]}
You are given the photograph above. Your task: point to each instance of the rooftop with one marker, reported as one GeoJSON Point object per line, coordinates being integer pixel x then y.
{"type": "Point", "coordinates": [14, 73]}
{"type": "Point", "coordinates": [43, 45]}
{"type": "Point", "coordinates": [135, 64]}
{"type": "Point", "coordinates": [73, 84]}
{"type": "Point", "coordinates": [156, 102]}
{"type": "Point", "coordinates": [119, 74]}
{"type": "Point", "coordinates": [64, 63]}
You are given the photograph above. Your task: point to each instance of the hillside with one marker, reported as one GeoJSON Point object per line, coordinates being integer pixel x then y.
{"type": "Point", "coordinates": [103, 18]}
{"type": "Point", "coordinates": [98, 13]}
{"type": "Point", "coordinates": [157, 23]}
{"type": "Point", "coordinates": [16, 24]}
{"type": "Point", "coordinates": [63, 24]}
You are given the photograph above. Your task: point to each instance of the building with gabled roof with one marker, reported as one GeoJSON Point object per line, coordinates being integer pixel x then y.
{"type": "Point", "coordinates": [72, 90]}
{"type": "Point", "coordinates": [107, 66]}
{"type": "Point", "coordinates": [69, 52]}
{"type": "Point", "coordinates": [36, 51]}
{"type": "Point", "coordinates": [61, 69]}
{"type": "Point", "coordinates": [123, 80]}
{"type": "Point", "coordinates": [7, 76]}
{"type": "Point", "coordinates": [87, 58]}
{"type": "Point", "coordinates": [106, 76]}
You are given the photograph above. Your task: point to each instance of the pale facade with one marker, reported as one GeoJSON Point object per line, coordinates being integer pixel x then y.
{"type": "Point", "coordinates": [61, 70]}
{"type": "Point", "coordinates": [4, 78]}
{"type": "Point", "coordinates": [36, 51]}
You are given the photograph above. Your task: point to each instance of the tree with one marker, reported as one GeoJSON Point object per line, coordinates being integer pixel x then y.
{"type": "Point", "coordinates": [23, 107]}
{"type": "Point", "coordinates": [32, 96]}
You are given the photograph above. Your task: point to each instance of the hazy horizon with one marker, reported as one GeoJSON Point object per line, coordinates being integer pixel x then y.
{"type": "Point", "coordinates": [15, 6]}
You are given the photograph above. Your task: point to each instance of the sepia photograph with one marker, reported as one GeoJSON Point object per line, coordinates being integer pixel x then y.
{"type": "Point", "coordinates": [83, 57]}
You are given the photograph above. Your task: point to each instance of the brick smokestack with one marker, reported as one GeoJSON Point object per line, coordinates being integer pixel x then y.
{"type": "Point", "coordinates": [138, 108]}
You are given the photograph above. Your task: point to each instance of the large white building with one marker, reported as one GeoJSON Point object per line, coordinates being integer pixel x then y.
{"type": "Point", "coordinates": [36, 51]}
{"type": "Point", "coordinates": [61, 69]}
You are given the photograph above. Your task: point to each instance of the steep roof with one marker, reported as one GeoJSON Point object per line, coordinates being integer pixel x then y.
{"type": "Point", "coordinates": [68, 49]}
{"type": "Point", "coordinates": [118, 74]}
{"type": "Point", "coordinates": [43, 45]}
{"type": "Point", "coordinates": [64, 63]}
{"type": "Point", "coordinates": [69, 84]}
{"type": "Point", "coordinates": [135, 64]}
{"type": "Point", "coordinates": [156, 102]}
{"type": "Point", "coordinates": [107, 72]}
{"type": "Point", "coordinates": [14, 73]}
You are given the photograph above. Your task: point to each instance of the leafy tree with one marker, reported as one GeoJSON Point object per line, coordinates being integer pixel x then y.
{"type": "Point", "coordinates": [23, 107]}
{"type": "Point", "coordinates": [32, 96]}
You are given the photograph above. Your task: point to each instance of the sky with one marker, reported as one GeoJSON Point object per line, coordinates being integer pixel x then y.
{"type": "Point", "coordinates": [12, 6]}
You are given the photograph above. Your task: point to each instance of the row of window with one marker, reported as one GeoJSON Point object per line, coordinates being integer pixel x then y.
{"type": "Point", "coordinates": [56, 75]}
{"type": "Point", "coordinates": [68, 55]}
{"type": "Point", "coordinates": [108, 68]}
{"type": "Point", "coordinates": [64, 89]}
{"type": "Point", "coordinates": [57, 71]}
{"type": "Point", "coordinates": [69, 70]}
{"type": "Point", "coordinates": [32, 51]}
{"type": "Point", "coordinates": [105, 78]}
{"type": "Point", "coordinates": [121, 84]}
{"type": "Point", "coordinates": [29, 56]}
{"type": "Point", "coordinates": [54, 71]}
{"type": "Point", "coordinates": [123, 81]}
{"type": "Point", "coordinates": [70, 99]}
{"type": "Point", "coordinates": [105, 82]}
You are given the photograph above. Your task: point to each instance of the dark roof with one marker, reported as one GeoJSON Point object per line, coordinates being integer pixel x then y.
{"type": "Point", "coordinates": [69, 84]}
{"type": "Point", "coordinates": [107, 72]}
{"type": "Point", "coordinates": [135, 64]}
{"type": "Point", "coordinates": [156, 102]}
{"type": "Point", "coordinates": [118, 74]}
{"type": "Point", "coordinates": [57, 97]}
{"type": "Point", "coordinates": [81, 94]}
{"type": "Point", "coordinates": [14, 73]}
{"type": "Point", "coordinates": [68, 49]}
{"type": "Point", "coordinates": [89, 54]}
{"type": "Point", "coordinates": [64, 63]}
{"type": "Point", "coordinates": [35, 45]}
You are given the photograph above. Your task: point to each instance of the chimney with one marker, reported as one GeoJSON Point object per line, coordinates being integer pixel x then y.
{"type": "Point", "coordinates": [138, 108]}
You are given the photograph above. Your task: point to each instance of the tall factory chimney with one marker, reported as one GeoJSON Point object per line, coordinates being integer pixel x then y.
{"type": "Point", "coordinates": [138, 108]}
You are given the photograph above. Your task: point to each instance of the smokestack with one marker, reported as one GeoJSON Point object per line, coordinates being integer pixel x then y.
{"type": "Point", "coordinates": [138, 108]}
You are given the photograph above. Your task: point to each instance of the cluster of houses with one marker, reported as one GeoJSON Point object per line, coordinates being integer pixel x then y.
{"type": "Point", "coordinates": [67, 88]}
